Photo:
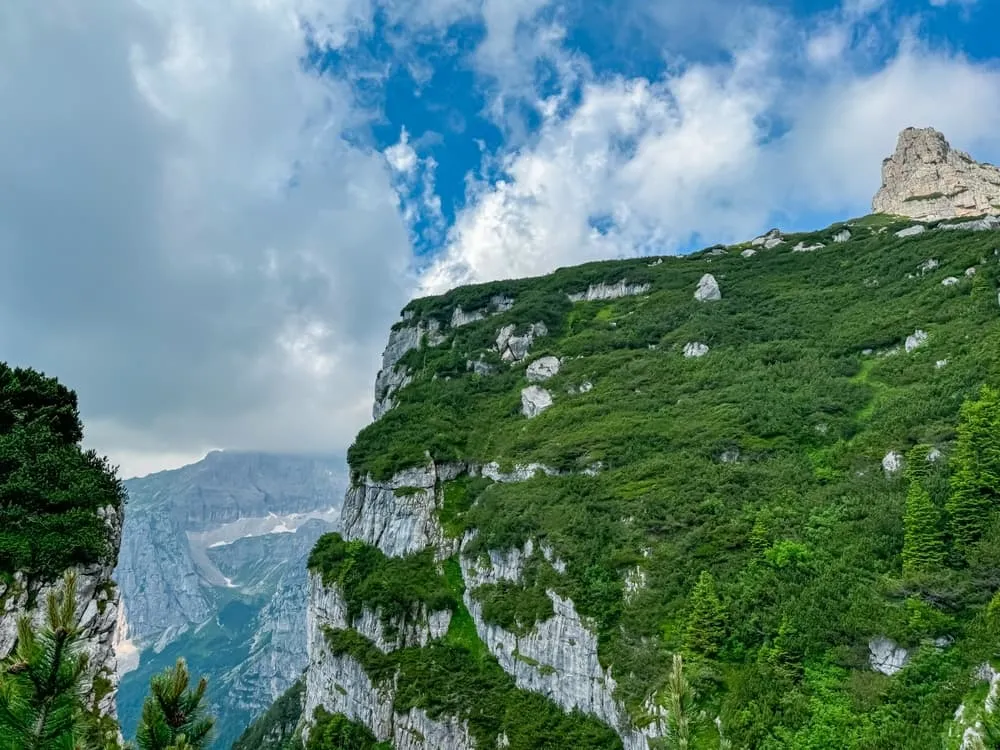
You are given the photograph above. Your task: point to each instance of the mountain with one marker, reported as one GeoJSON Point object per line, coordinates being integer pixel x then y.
{"type": "Point", "coordinates": [777, 460]}
{"type": "Point", "coordinates": [212, 568]}
{"type": "Point", "coordinates": [927, 179]}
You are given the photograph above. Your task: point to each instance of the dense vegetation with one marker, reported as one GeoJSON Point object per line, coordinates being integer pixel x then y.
{"type": "Point", "coordinates": [745, 485]}
{"type": "Point", "coordinates": [276, 728]}
{"type": "Point", "coordinates": [50, 488]}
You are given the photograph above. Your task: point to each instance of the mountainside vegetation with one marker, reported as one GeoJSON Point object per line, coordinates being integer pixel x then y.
{"type": "Point", "coordinates": [733, 507]}
{"type": "Point", "coordinates": [50, 487]}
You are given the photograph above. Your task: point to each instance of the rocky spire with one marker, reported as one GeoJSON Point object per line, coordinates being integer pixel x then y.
{"type": "Point", "coordinates": [927, 179]}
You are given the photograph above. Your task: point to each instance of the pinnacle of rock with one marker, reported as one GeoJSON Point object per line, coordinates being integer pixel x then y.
{"type": "Point", "coordinates": [927, 179]}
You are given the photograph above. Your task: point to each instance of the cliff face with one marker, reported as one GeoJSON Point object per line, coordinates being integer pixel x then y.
{"type": "Point", "coordinates": [556, 496]}
{"type": "Point", "coordinates": [927, 179]}
{"type": "Point", "coordinates": [97, 609]}
{"type": "Point", "coordinates": [213, 568]}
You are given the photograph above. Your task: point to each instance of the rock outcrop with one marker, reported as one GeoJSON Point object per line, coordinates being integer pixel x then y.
{"type": "Point", "coordinates": [708, 289]}
{"type": "Point", "coordinates": [927, 179]}
{"type": "Point", "coordinates": [97, 600]}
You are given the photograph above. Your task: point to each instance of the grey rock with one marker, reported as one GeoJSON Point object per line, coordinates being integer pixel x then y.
{"type": "Point", "coordinates": [949, 281]}
{"type": "Point", "coordinates": [97, 602]}
{"type": "Point", "coordinates": [928, 265]}
{"type": "Point", "coordinates": [986, 224]}
{"type": "Point", "coordinates": [748, 253]}
{"type": "Point", "coordinates": [604, 291]}
{"type": "Point", "coordinates": [885, 656]}
{"type": "Point", "coordinates": [461, 318]}
{"type": "Point", "coordinates": [708, 289]}
{"type": "Point", "coordinates": [927, 179]}
{"type": "Point", "coordinates": [842, 236]}
{"type": "Point", "coordinates": [515, 348]}
{"type": "Point", "coordinates": [479, 367]}
{"type": "Point", "coordinates": [941, 363]}
{"type": "Point", "coordinates": [772, 243]}
{"type": "Point", "coordinates": [912, 231]}
{"type": "Point", "coordinates": [892, 463]}
{"type": "Point", "coordinates": [970, 272]}
{"type": "Point", "coordinates": [802, 247]}
{"type": "Point", "coordinates": [695, 349]}
{"type": "Point", "coordinates": [915, 340]}
{"type": "Point", "coordinates": [769, 236]}
{"type": "Point", "coordinates": [542, 368]}
{"type": "Point", "coordinates": [534, 400]}
{"type": "Point", "coordinates": [391, 377]}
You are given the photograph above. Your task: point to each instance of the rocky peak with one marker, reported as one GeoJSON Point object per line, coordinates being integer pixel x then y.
{"type": "Point", "coordinates": [927, 179]}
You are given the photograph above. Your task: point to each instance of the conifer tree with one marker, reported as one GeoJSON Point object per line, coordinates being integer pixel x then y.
{"type": "Point", "coordinates": [923, 547]}
{"type": "Point", "coordinates": [174, 717]}
{"type": "Point", "coordinates": [975, 481]}
{"type": "Point", "coordinates": [42, 682]}
{"type": "Point", "coordinates": [682, 714]}
{"type": "Point", "coordinates": [706, 623]}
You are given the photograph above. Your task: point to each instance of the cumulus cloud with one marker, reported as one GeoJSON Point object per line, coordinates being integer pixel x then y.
{"type": "Point", "coordinates": [187, 240]}
{"type": "Point", "coordinates": [645, 166]}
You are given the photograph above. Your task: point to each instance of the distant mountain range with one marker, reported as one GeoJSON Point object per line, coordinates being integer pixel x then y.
{"type": "Point", "coordinates": [213, 568]}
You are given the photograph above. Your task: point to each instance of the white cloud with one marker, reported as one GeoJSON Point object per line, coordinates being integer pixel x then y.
{"type": "Point", "coordinates": [187, 241]}
{"type": "Point", "coordinates": [401, 156]}
{"type": "Point", "coordinates": [698, 159]}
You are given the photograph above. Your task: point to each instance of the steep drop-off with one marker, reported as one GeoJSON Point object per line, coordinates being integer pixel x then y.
{"type": "Point", "coordinates": [213, 568]}
{"type": "Point", "coordinates": [572, 478]}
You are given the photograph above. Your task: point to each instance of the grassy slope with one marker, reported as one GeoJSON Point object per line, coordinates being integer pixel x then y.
{"type": "Point", "coordinates": [788, 385]}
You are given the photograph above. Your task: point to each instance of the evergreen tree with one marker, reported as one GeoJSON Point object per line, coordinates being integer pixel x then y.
{"type": "Point", "coordinates": [923, 547]}
{"type": "Point", "coordinates": [42, 682]}
{"type": "Point", "coordinates": [975, 481]}
{"type": "Point", "coordinates": [174, 716]}
{"type": "Point", "coordinates": [706, 623]}
{"type": "Point", "coordinates": [682, 715]}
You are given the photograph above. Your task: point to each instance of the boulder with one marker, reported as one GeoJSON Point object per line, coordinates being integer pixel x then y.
{"type": "Point", "coordinates": [542, 368]}
{"type": "Point", "coordinates": [534, 400]}
{"type": "Point", "coordinates": [708, 289]}
{"type": "Point", "coordinates": [695, 349]}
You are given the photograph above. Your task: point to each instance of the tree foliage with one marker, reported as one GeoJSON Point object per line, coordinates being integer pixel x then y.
{"type": "Point", "coordinates": [50, 488]}
{"type": "Point", "coordinates": [174, 716]}
{"type": "Point", "coordinates": [975, 480]}
{"type": "Point", "coordinates": [43, 685]}
{"type": "Point", "coordinates": [923, 547]}
{"type": "Point", "coordinates": [706, 627]}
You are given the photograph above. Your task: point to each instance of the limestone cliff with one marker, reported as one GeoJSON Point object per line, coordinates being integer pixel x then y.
{"type": "Point", "coordinates": [97, 609]}
{"type": "Point", "coordinates": [708, 455]}
{"type": "Point", "coordinates": [927, 179]}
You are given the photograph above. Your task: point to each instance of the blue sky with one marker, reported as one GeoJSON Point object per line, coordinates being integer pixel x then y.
{"type": "Point", "coordinates": [211, 213]}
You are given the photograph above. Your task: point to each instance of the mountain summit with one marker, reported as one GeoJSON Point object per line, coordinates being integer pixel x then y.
{"type": "Point", "coordinates": [927, 179]}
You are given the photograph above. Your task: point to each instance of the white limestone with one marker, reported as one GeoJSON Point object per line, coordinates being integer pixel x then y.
{"type": "Point", "coordinates": [542, 368]}
{"type": "Point", "coordinates": [515, 348]}
{"type": "Point", "coordinates": [695, 349]}
{"type": "Point", "coordinates": [396, 520]}
{"type": "Point", "coordinates": [885, 656]}
{"type": "Point", "coordinates": [748, 253]}
{"type": "Point", "coordinates": [915, 340]}
{"type": "Point", "coordinates": [927, 179]}
{"type": "Point", "coordinates": [604, 291]}
{"type": "Point", "coordinates": [949, 281]}
{"type": "Point", "coordinates": [977, 225]}
{"type": "Point", "coordinates": [842, 236]}
{"type": "Point", "coordinates": [911, 231]}
{"type": "Point", "coordinates": [892, 463]}
{"type": "Point", "coordinates": [708, 289]}
{"type": "Point", "coordinates": [534, 400]}
{"type": "Point", "coordinates": [802, 247]}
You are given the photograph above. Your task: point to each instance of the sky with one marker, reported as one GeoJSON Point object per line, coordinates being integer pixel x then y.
{"type": "Point", "coordinates": [212, 212]}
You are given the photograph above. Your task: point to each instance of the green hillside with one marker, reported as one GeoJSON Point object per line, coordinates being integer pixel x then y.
{"type": "Point", "coordinates": [744, 488]}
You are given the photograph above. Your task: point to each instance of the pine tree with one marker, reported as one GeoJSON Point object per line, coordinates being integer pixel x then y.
{"type": "Point", "coordinates": [706, 623]}
{"type": "Point", "coordinates": [682, 715]}
{"type": "Point", "coordinates": [173, 716]}
{"type": "Point", "coordinates": [923, 547]}
{"type": "Point", "coordinates": [975, 481]}
{"type": "Point", "coordinates": [42, 682]}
